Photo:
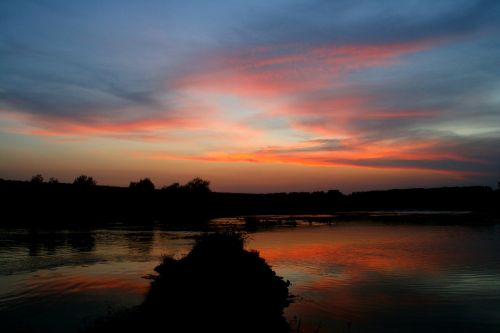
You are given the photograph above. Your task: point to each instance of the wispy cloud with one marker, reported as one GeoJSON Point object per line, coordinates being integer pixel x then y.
{"type": "Point", "coordinates": [393, 85]}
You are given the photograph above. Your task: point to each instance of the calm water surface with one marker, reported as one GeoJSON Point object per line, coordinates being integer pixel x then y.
{"type": "Point", "coordinates": [351, 277]}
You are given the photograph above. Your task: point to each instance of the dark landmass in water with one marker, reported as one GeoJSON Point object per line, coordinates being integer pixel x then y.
{"type": "Point", "coordinates": [218, 287]}
{"type": "Point", "coordinates": [40, 204]}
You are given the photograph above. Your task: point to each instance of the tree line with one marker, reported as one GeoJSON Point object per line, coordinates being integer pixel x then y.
{"type": "Point", "coordinates": [43, 202]}
{"type": "Point", "coordinates": [197, 184]}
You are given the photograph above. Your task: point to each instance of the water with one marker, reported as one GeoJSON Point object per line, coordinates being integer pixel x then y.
{"type": "Point", "coordinates": [349, 277]}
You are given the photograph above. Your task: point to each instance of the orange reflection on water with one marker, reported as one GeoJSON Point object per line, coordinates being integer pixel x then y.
{"type": "Point", "coordinates": [367, 248]}
{"type": "Point", "coordinates": [348, 271]}
{"type": "Point", "coordinates": [83, 280]}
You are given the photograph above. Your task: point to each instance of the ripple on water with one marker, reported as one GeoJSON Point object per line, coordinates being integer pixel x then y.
{"type": "Point", "coordinates": [375, 277]}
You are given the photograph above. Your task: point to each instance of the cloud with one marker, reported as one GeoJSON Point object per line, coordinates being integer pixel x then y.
{"type": "Point", "coordinates": [85, 62]}
{"type": "Point", "coordinates": [433, 152]}
{"type": "Point", "coordinates": [291, 69]}
{"type": "Point", "coordinates": [386, 21]}
{"type": "Point", "coordinates": [391, 84]}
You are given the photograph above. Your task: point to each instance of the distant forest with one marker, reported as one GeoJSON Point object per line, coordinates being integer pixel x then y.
{"type": "Point", "coordinates": [41, 202]}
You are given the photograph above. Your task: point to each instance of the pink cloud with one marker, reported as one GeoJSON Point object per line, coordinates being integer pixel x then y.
{"type": "Point", "coordinates": [307, 87]}
{"type": "Point", "coordinates": [278, 70]}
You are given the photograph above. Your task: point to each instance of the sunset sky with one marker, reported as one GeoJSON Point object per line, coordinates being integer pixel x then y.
{"type": "Point", "coordinates": [255, 96]}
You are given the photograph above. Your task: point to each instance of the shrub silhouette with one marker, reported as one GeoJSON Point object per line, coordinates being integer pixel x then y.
{"type": "Point", "coordinates": [53, 180]}
{"type": "Point", "coordinates": [217, 287]}
{"type": "Point", "coordinates": [84, 180]}
{"type": "Point", "coordinates": [37, 179]}
{"type": "Point", "coordinates": [198, 185]}
{"type": "Point", "coordinates": [194, 186]}
{"type": "Point", "coordinates": [144, 184]}
{"type": "Point", "coordinates": [172, 188]}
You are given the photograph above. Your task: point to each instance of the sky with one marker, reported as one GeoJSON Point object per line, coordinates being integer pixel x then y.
{"type": "Point", "coordinates": [255, 96]}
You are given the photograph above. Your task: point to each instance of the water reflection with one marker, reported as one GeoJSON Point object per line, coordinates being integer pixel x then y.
{"type": "Point", "coordinates": [55, 281]}
{"type": "Point", "coordinates": [379, 278]}
{"type": "Point", "coordinates": [140, 242]}
{"type": "Point", "coordinates": [355, 276]}
{"type": "Point", "coordinates": [81, 241]}
{"type": "Point", "coordinates": [47, 242]}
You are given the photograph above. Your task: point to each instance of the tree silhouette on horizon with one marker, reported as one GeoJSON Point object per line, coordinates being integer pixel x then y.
{"type": "Point", "coordinates": [198, 185]}
{"type": "Point", "coordinates": [37, 179]}
{"type": "Point", "coordinates": [144, 184]}
{"type": "Point", "coordinates": [84, 180]}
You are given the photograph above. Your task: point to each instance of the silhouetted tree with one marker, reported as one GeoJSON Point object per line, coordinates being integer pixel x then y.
{"type": "Point", "coordinates": [198, 185]}
{"type": "Point", "coordinates": [334, 193]}
{"type": "Point", "coordinates": [144, 184]}
{"type": "Point", "coordinates": [37, 179]}
{"type": "Point", "coordinates": [53, 180]}
{"type": "Point", "coordinates": [175, 187]}
{"type": "Point", "coordinates": [84, 180]}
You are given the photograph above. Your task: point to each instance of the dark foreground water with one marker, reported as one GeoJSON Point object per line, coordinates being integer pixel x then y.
{"type": "Point", "coordinates": [349, 277]}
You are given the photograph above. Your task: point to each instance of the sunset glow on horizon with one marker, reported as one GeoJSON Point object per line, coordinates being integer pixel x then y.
{"type": "Point", "coordinates": [257, 96]}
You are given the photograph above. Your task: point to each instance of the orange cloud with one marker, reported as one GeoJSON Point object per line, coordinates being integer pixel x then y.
{"type": "Point", "coordinates": [277, 83]}
{"type": "Point", "coordinates": [64, 127]}
{"type": "Point", "coordinates": [354, 155]}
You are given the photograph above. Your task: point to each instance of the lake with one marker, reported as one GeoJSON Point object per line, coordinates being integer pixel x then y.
{"type": "Point", "coordinates": [347, 277]}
